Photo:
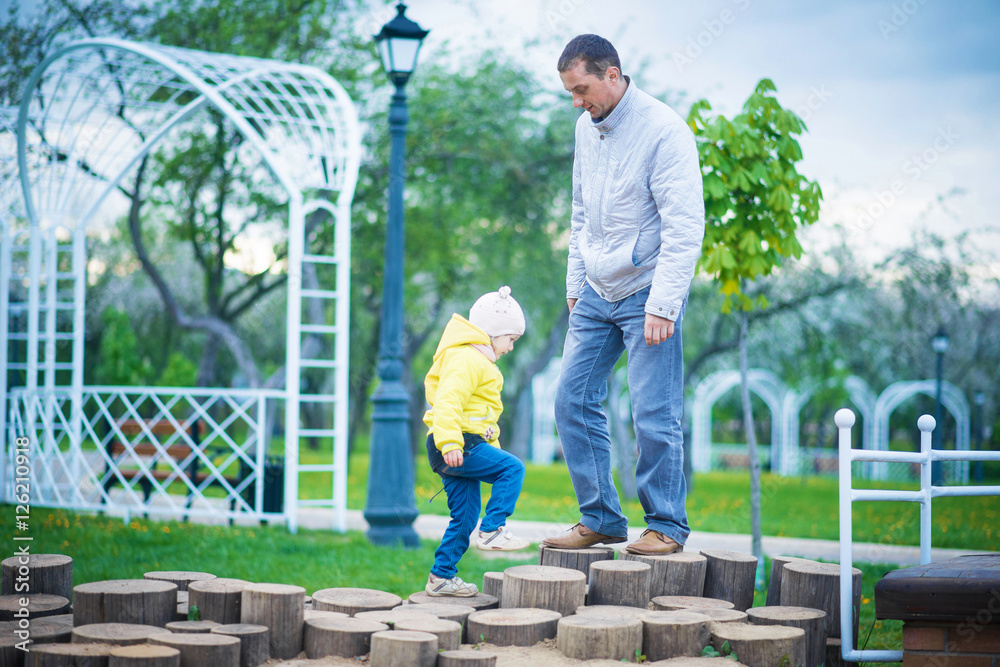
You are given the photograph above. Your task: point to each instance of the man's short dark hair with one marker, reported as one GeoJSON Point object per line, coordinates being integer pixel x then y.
{"type": "Point", "coordinates": [596, 52]}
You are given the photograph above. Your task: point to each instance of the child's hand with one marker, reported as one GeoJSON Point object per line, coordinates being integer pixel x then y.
{"type": "Point", "coordinates": [454, 458]}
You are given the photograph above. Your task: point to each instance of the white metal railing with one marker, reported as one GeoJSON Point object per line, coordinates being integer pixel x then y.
{"type": "Point", "coordinates": [844, 420]}
{"type": "Point", "coordinates": [92, 450]}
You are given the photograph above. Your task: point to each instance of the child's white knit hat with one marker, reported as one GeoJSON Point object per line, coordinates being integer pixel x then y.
{"type": "Point", "coordinates": [498, 314]}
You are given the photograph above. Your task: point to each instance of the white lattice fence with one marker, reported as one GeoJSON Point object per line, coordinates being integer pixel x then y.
{"type": "Point", "coordinates": [171, 451]}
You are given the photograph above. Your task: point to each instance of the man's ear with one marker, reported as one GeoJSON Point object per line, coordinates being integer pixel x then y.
{"type": "Point", "coordinates": [613, 74]}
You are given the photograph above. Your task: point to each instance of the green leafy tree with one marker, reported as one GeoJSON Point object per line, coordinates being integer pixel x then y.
{"type": "Point", "coordinates": [120, 360]}
{"type": "Point", "coordinates": [755, 203]}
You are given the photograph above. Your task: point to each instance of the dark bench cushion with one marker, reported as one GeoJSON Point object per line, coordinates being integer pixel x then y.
{"type": "Point", "coordinates": [955, 589]}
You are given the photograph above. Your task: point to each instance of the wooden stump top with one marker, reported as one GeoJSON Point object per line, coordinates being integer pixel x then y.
{"type": "Point", "coordinates": [275, 589]}
{"type": "Point", "coordinates": [479, 601]}
{"type": "Point", "coordinates": [191, 627]}
{"type": "Point", "coordinates": [217, 585]}
{"type": "Point", "coordinates": [179, 577]}
{"type": "Point", "coordinates": [238, 629]}
{"type": "Point", "coordinates": [598, 551]}
{"type": "Point", "coordinates": [611, 610]}
{"type": "Point", "coordinates": [427, 623]}
{"type": "Point", "coordinates": [352, 600]}
{"type": "Point", "coordinates": [680, 617]}
{"type": "Point", "coordinates": [125, 587]}
{"type": "Point", "coordinates": [621, 565]}
{"type": "Point", "coordinates": [676, 602]}
{"type": "Point", "coordinates": [514, 616]}
{"type": "Point", "coordinates": [822, 569]}
{"type": "Point", "coordinates": [39, 605]}
{"type": "Point", "coordinates": [471, 657]}
{"type": "Point", "coordinates": [350, 624]}
{"type": "Point", "coordinates": [48, 629]}
{"type": "Point", "coordinates": [545, 573]}
{"type": "Point", "coordinates": [81, 650]}
{"type": "Point", "coordinates": [781, 613]}
{"type": "Point", "coordinates": [392, 616]}
{"type": "Point", "coordinates": [599, 621]}
{"type": "Point", "coordinates": [38, 560]}
{"type": "Point", "coordinates": [143, 651]}
{"type": "Point", "coordinates": [954, 589]}
{"type": "Point", "coordinates": [675, 557]}
{"type": "Point", "coordinates": [316, 613]}
{"type": "Point", "coordinates": [116, 633]}
{"type": "Point", "coordinates": [725, 554]}
{"type": "Point", "coordinates": [747, 631]}
{"type": "Point", "coordinates": [203, 639]}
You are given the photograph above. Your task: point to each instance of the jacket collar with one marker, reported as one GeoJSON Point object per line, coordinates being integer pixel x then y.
{"type": "Point", "coordinates": [621, 110]}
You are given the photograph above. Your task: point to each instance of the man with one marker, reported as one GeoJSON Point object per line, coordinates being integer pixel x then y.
{"type": "Point", "coordinates": [637, 226]}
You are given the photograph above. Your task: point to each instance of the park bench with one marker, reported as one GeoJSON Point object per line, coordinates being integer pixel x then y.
{"type": "Point", "coordinates": [157, 458]}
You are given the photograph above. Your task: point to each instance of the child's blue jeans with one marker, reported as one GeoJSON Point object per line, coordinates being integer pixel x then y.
{"type": "Point", "coordinates": [481, 463]}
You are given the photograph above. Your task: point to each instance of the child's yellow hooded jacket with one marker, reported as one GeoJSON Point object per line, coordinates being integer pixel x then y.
{"type": "Point", "coordinates": [463, 388]}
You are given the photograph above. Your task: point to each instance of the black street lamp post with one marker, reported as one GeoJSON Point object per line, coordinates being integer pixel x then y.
{"type": "Point", "coordinates": [940, 345]}
{"type": "Point", "coordinates": [391, 507]}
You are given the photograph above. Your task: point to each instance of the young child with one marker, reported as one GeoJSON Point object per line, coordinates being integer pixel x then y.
{"type": "Point", "coordinates": [463, 446]}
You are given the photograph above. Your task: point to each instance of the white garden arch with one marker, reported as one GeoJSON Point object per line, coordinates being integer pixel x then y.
{"type": "Point", "coordinates": [91, 112]}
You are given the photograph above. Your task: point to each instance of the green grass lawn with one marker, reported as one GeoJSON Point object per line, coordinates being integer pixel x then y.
{"type": "Point", "coordinates": [107, 548]}
{"type": "Point", "coordinates": [790, 506]}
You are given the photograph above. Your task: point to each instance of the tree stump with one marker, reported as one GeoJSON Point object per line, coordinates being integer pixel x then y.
{"type": "Point", "coordinates": [613, 610]}
{"type": "Point", "coordinates": [674, 634]}
{"type": "Point", "coordinates": [512, 627]}
{"type": "Point", "coordinates": [279, 607]}
{"type": "Point", "coordinates": [119, 634]}
{"type": "Point", "coordinates": [543, 587]}
{"type": "Point", "coordinates": [144, 655]}
{"type": "Point", "coordinates": [477, 602]}
{"type": "Point", "coordinates": [181, 578]}
{"type": "Point", "coordinates": [447, 611]}
{"type": "Point", "coordinates": [679, 573]}
{"type": "Point", "coordinates": [182, 596]}
{"type": "Point", "coordinates": [812, 621]}
{"type": "Point", "coordinates": [493, 584]}
{"type": "Point", "coordinates": [192, 627]}
{"type": "Point", "coordinates": [352, 600]}
{"type": "Point", "coordinates": [687, 602]}
{"type": "Point", "coordinates": [391, 616]}
{"type": "Point", "coordinates": [761, 645]}
{"type": "Point", "coordinates": [39, 605]}
{"type": "Point", "coordinates": [205, 650]}
{"type": "Point", "coordinates": [47, 630]}
{"type": "Point", "coordinates": [255, 642]}
{"type": "Point", "coordinates": [346, 637]}
{"type": "Point", "coordinates": [834, 658]}
{"type": "Point", "coordinates": [449, 633]}
{"type": "Point", "coordinates": [46, 573]}
{"type": "Point", "coordinates": [217, 600]}
{"type": "Point", "coordinates": [619, 582]}
{"type": "Point", "coordinates": [574, 559]}
{"type": "Point", "coordinates": [466, 659]}
{"type": "Point", "coordinates": [9, 653]}
{"type": "Point", "coordinates": [135, 601]}
{"type": "Point", "coordinates": [590, 636]}
{"type": "Point", "coordinates": [729, 575]}
{"type": "Point", "coordinates": [68, 655]}
{"type": "Point", "coordinates": [774, 582]}
{"type": "Point", "coordinates": [817, 586]}
{"type": "Point", "coordinates": [392, 648]}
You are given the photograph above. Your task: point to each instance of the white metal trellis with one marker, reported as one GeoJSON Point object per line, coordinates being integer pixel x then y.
{"type": "Point", "coordinates": [844, 419]}
{"type": "Point", "coordinates": [92, 112]}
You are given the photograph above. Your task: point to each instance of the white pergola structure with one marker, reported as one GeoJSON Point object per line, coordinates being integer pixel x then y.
{"type": "Point", "coordinates": [90, 114]}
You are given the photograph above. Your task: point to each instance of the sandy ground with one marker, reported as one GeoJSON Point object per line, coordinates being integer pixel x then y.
{"type": "Point", "coordinates": [543, 653]}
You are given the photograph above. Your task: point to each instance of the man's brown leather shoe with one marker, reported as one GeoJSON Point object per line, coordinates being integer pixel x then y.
{"type": "Point", "coordinates": [580, 537]}
{"type": "Point", "coordinates": [654, 543]}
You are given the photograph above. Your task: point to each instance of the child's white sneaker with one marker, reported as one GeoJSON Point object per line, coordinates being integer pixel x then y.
{"type": "Point", "coordinates": [454, 587]}
{"type": "Point", "coordinates": [500, 539]}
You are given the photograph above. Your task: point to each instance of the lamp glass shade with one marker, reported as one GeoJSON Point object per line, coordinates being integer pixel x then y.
{"type": "Point", "coordinates": [398, 45]}
{"type": "Point", "coordinates": [940, 343]}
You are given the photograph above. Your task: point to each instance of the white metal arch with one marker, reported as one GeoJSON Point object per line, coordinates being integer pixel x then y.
{"type": "Point", "coordinates": [762, 382]}
{"type": "Point", "coordinates": [861, 395]}
{"type": "Point", "coordinates": [93, 110]}
{"type": "Point", "coordinates": [952, 400]}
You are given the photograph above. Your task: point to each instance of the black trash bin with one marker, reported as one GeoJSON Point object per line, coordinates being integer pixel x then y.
{"type": "Point", "coordinates": [274, 484]}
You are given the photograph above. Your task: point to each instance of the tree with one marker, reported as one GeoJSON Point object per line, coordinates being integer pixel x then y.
{"type": "Point", "coordinates": [755, 203]}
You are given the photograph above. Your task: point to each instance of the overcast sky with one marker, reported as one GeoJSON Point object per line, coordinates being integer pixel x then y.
{"type": "Point", "coordinates": [901, 98]}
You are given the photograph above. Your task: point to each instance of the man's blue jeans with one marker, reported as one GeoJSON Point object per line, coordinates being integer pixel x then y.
{"type": "Point", "coordinates": [599, 331]}
{"type": "Point", "coordinates": [481, 463]}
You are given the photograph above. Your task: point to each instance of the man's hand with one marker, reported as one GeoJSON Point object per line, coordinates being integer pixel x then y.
{"type": "Point", "coordinates": [658, 329]}
{"type": "Point", "coordinates": [571, 303]}
{"type": "Point", "coordinates": [454, 458]}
